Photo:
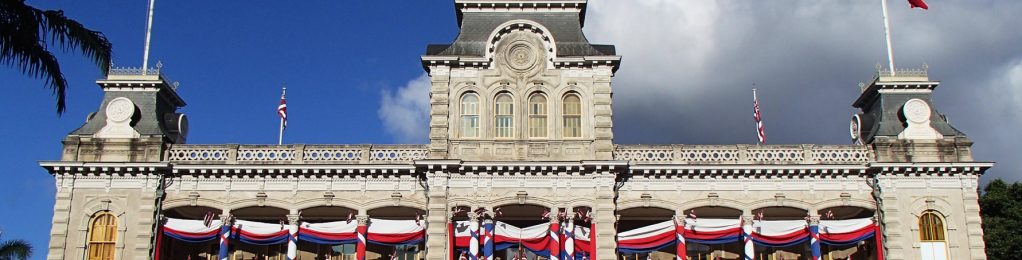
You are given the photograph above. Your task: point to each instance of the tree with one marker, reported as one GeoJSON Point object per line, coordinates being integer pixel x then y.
{"type": "Point", "coordinates": [15, 249]}
{"type": "Point", "coordinates": [25, 32]}
{"type": "Point", "coordinates": [1001, 208]}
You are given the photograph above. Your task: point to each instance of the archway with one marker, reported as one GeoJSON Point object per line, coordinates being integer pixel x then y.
{"type": "Point", "coordinates": [632, 219]}
{"type": "Point", "coordinates": [263, 215]}
{"type": "Point", "coordinates": [713, 249]}
{"type": "Point", "coordinates": [860, 250]}
{"type": "Point", "coordinates": [401, 251]}
{"type": "Point", "coordinates": [171, 248]}
{"type": "Point", "coordinates": [324, 214]}
{"type": "Point", "coordinates": [518, 217]}
{"type": "Point", "coordinates": [787, 214]}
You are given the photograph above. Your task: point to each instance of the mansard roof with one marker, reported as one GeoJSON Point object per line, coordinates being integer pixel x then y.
{"type": "Point", "coordinates": [563, 19]}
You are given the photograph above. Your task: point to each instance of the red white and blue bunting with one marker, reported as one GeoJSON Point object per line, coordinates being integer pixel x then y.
{"type": "Point", "coordinates": [773, 233]}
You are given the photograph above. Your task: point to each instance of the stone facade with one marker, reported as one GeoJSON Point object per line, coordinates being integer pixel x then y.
{"type": "Point", "coordinates": [130, 158]}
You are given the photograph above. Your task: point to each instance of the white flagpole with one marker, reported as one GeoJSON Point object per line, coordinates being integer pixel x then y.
{"type": "Point", "coordinates": [148, 34]}
{"type": "Point", "coordinates": [887, 32]}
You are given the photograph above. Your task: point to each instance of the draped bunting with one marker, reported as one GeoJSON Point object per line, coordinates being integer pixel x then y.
{"type": "Point", "coordinates": [192, 231]}
{"type": "Point", "coordinates": [846, 232]}
{"type": "Point", "coordinates": [569, 240]}
{"type": "Point", "coordinates": [583, 241]}
{"type": "Point", "coordinates": [395, 232]}
{"type": "Point", "coordinates": [555, 241]}
{"type": "Point", "coordinates": [780, 233]}
{"type": "Point", "coordinates": [488, 240]}
{"type": "Point", "coordinates": [258, 233]}
{"type": "Point", "coordinates": [710, 231]}
{"type": "Point", "coordinates": [647, 239]}
{"type": "Point", "coordinates": [534, 238]}
{"type": "Point", "coordinates": [329, 233]}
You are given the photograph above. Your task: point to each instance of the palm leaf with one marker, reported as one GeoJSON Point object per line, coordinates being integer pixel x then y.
{"type": "Point", "coordinates": [23, 33]}
{"type": "Point", "coordinates": [15, 249]}
{"type": "Point", "coordinates": [70, 34]}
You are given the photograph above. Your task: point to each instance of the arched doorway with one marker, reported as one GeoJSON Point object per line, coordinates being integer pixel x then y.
{"type": "Point", "coordinates": [264, 215]}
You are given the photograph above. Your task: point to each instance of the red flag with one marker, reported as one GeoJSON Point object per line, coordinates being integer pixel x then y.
{"type": "Point", "coordinates": [918, 3]}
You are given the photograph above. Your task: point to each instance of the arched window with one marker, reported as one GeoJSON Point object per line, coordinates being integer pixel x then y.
{"type": "Point", "coordinates": [932, 242]}
{"type": "Point", "coordinates": [572, 116]}
{"type": "Point", "coordinates": [470, 115]}
{"type": "Point", "coordinates": [102, 236]}
{"type": "Point", "coordinates": [504, 116]}
{"type": "Point", "coordinates": [537, 116]}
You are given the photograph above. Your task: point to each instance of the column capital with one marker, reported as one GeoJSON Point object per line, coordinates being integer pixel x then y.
{"type": "Point", "coordinates": [293, 219]}
{"type": "Point", "coordinates": [814, 220]}
{"type": "Point", "coordinates": [473, 216]}
{"type": "Point", "coordinates": [748, 219]}
{"type": "Point", "coordinates": [363, 220]}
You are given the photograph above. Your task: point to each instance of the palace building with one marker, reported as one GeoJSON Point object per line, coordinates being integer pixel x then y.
{"type": "Point", "coordinates": [521, 164]}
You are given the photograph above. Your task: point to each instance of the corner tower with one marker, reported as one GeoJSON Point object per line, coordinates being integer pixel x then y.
{"type": "Point", "coordinates": [521, 82]}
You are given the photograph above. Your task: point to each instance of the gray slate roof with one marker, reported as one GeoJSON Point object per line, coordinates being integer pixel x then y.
{"type": "Point", "coordinates": [566, 29]}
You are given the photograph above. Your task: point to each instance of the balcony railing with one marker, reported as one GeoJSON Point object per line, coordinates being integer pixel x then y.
{"type": "Point", "coordinates": [296, 154]}
{"type": "Point", "coordinates": [743, 154]}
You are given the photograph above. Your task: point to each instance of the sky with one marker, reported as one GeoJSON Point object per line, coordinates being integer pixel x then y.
{"type": "Point", "coordinates": [353, 74]}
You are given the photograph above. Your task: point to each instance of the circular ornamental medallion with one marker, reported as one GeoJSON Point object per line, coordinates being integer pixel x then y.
{"type": "Point", "coordinates": [120, 109]}
{"type": "Point", "coordinates": [521, 57]}
{"type": "Point", "coordinates": [916, 111]}
{"type": "Point", "coordinates": [855, 127]}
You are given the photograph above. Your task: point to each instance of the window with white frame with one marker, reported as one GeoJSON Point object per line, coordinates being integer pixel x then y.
{"type": "Point", "coordinates": [932, 239]}
{"type": "Point", "coordinates": [572, 114]}
{"type": "Point", "coordinates": [470, 115]}
{"type": "Point", "coordinates": [504, 116]}
{"type": "Point", "coordinates": [537, 115]}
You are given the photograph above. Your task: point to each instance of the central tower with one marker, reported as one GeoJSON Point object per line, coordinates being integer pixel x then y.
{"type": "Point", "coordinates": [521, 82]}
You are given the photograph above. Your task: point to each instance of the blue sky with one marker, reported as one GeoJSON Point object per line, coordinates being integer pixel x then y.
{"type": "Point", "coordinates": [686, 74]}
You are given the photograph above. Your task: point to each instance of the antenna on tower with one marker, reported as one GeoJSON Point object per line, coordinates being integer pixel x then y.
{"type": "Point", "coordinates": [148, 34]}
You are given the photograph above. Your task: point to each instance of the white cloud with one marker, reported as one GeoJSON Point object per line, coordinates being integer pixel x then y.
{"type": "Point", "coordinates": [405, 112]}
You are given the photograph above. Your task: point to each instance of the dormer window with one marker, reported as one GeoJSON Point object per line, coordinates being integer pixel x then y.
{"type": "Point", "coordinates": [470, 115]}
{"type": "Point", "coordinates": [504, 116]}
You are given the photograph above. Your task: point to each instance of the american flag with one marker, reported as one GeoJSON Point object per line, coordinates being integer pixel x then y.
{"type": "Point", "coordinates": [758, 117]}
{"type": "Point", "coordinates": [282, 109]}
{"type": "Point", "coordinates": [208, 219]}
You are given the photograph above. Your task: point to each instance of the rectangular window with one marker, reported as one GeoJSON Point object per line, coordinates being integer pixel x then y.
{"type": "Point", "coordinates": [572, 126]}
{"type": "Point", "coordinates": [505, 126]}
{"type": "Point", "coordinates": [537, 126]}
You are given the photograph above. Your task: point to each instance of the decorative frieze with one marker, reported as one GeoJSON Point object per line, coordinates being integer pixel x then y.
{"type": "Point", "coordinates": [743, 154]}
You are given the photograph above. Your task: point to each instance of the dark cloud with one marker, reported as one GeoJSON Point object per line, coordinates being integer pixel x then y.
{"type": "Point", "coordinates": [689, 66]}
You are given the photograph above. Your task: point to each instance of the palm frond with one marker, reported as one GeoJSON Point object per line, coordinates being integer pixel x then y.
{"type": "Point", "coordinates": [15, 249]}
{"type": "Point", "coordinates": [70, 34]}
{"type": "Point", "coordinates": [23, 50]}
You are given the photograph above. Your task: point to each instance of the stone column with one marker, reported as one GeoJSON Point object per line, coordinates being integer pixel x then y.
{"type": "Point", "coordinates": [438, 212]}
{"type": "Point", "coordinates": [555, 241]}
{"type": "Point", "coordinates": [750, 249]}
{"type": "Point", "coordinates": [602, 113]}
{"type": "Point", "coordinates": [473, 229]}
{"type": "Point", "coordinates": [814, 237]}
{"type": "Point", "coordinates": [679, 229]}
{"type": "Point", "coordinates": [569, 237]}
{"type": "Point", "coordinates": [292, 238]}
{"type": "Point", "coordinates": [973, 227]}
{"type": "Point", "coordinates": [362, 230]}
{"type": "Point", "coordinates": [895, 244]}
{"type": "Point", "coordinates": [439, 93]}
{"type": "Point", "coordinates": [61, 217]}
{"type": "Point", "coordinates": [603, 216]}
{"type": "Point", "coordinates": [225, 234]}
{"type": "Point", "coordinates": [488, 239]}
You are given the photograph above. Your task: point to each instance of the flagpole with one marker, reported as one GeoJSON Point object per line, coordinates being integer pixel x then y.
{"type": "Point", "coordinates": [887, 33]}
{"type": "Point", "coordinates": [148, 33]}
{"type": "Point", "coordinates": [280, 137]}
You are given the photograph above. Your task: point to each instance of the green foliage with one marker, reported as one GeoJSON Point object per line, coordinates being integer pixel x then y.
{"type": "Point", "coordinates": [15, 249]}
{"type": "Point", "coordinates": [1001, 208]}
{"type": "Point", "coordinates": [24, 36]}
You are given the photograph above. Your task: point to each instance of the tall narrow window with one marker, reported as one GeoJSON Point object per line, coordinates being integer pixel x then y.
{"type": "Point", "coordinates": [102, 236]}
{"type": "Point", "coordinates": [504, 116]}
{"type": "Point", "coordinates": [470, 115]}
{"type": "Point", "coordinates": [537, 116]}
{"type": "Point", "coordinates": [932, 242]}
{"type": "Point", "coordinates": [572, 116]}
